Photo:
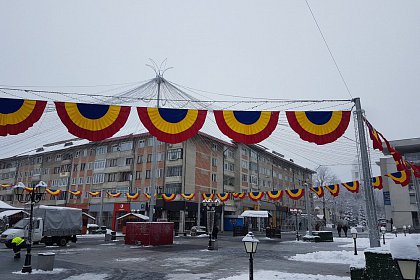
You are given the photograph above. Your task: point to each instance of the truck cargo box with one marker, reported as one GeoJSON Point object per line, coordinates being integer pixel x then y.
{"type": "Point", "coordinates": [60, 221]}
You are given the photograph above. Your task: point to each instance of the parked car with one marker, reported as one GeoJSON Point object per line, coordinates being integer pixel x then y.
{"type": "Point", "coordinates": [197, 230]}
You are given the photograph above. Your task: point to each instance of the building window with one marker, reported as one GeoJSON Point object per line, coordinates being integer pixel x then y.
{"type": "Point", "coordinates": [138, 175]}
{"type": "Point", "coordinates": [253, 179]}
{"type": "Point", "coordinates": [112, 177]}
{"type": "Point", "coordinates": [56, 170]}
{"type": "Point", "coordinates": [82, 166]}
{"type": "Point", "coordinates": [88, 179]}
{"type": "Point", "coordinates": [149, 142]}
{"type": "Point", "coordinates": [73, 181]}
{"type": "Point", "coordinates": [101, 150]}
{"type": "Point", "coordinates": [141, 143]}
{"type": "Point", "coordinates": [229, 166]}
{"type": "Point", "coordinates": [115, 148]}
{"type": "Point", "coordinates": [244, 178]}
{"type": "Point", "coordinates": [173, 171]}
{"type": "Point", "coordinates": [244, 152]}
{"type": "Point", "coordinates": [126, 146]}
{"type": "Point", "coordinates": [173, 188]}
{"type": "Point", "coordinates": [99, 164]}
{"type": "Point", "coordinates": [149, 158]}
{"type": "Point", "coordinates": [58, 157]}
{"type": "Point", "coordinates": [254, 155]}
{"type": "Point", "coordinates": [122, 190]}
{"type": "Point", "coordinates": [38, 160]}
{"type": "Point", "coordinates": [140, 159]}
{"type": "Point", "coordinates": [77, 154]}
{"type": "Point", "coordinates": [46, 171]}
{"type": "Point", "coordinates": [128, 161]}
{"type": "Point", "coordinates": [244, 164]}
{"type": "Point", "coordinates": [48, 159]}
{"type": "Point", "coordinates": [75, 167]}
{"type": "Point", "coordinates": [175, 154]}
{"type": "Point", "coordinates": [214, 161]}
{"type": "Point", "coordinates": [125, 176]}
{"type": "Point", "coordinates": [147, 174]}
{"type": "Point", "coordinates": [80, 181]}
{"type": "Point", "coordinates": [230, 153]}
{"type": "Point", "coordinates": [90, 165]}
{"type": "Point", "coordinates": [214, 177]}
{"type": "Point", "coordinates": [112, 162]}
{"type": "Point", "coordinates": [98, 178]}
{"type": "Point", "coordinates": [214, 147]}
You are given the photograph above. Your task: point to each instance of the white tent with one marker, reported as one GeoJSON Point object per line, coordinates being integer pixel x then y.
{"type": "Point", "coordinates": [255, 214]}
{"type": "Point", "coordinates": [5, 206]}
{"type": "Point", "coordinates": [143, 217]}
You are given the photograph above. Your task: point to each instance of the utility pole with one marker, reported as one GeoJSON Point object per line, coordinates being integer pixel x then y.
{"type": "Point", "coordinates": [367, 182]}
{"type": "Point", "coordinates": [308, 206]}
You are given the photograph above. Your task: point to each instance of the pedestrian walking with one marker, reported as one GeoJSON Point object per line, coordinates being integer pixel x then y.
{"type": "Point", "coordinates": [215, 232]}
{"type": "Point", "coordinates": [345, 228]}
{"type": "Point", "coordinates": [317, 226]}
{"type": "Point", "coordinates": [18, 243]}
{"type": "Point", "coordinates": [339, 229]}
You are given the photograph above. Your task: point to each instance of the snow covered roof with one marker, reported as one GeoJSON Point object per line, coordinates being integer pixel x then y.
{"type": "Point", "coordinates": [143, 217]}
{"type": "Point", "coordinates": [5, 206]}
{"type": "Point", "coordinates": [255, 214]}
{"type": "Point", "coordinates": [89, 216]}
{"type": "Point", "coordinates": [9, 213]}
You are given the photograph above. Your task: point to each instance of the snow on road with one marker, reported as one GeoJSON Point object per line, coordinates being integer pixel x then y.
{"type": "Point", "coordinates": [339, 257]}
{"type": "Point", "coordinates": [88, 276]}
{"type": "Point", "coordinates": [277, 275]}
{"type": "Point", "coordinates": [37, 271]}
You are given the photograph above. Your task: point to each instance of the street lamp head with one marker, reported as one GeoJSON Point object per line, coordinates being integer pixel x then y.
{"type": "Point", "coordinates": [383, 230]}
{"type": "Point", "coordinates": [353, 232]}
{"type": "Point", "coordinates": [406, 255]}
{"type": "Point", "coordinates": [19, 189]}
{"type": "Point", "coordinates": [250, 243]}
{"type": "Point", "coordinates": [394, 228]}
{"type": "Point", "coordinates": [404, 227]}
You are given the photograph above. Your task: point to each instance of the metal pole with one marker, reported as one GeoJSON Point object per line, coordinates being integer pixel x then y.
{"type": "Point", "coordinates": [308, 205]}
{"type": "Point", "coordinates": [102, 208]}
{"type": "Point", "coordinates": [296, 226]}
{"type": "Point", "coordinates": [367, 183]}
{"type": "Point", "coordinates": [383, 236]}
{"type": "Point", "coordinates": [355, 248]}
{"type": "Point", "coordinates": [251, 267]}
{"type": "Point", "coordinates": [154, 159]}
{"type": "Point", "coordinates": [27, 267]}
{"type": "Point", "coordinates": [198, 209]}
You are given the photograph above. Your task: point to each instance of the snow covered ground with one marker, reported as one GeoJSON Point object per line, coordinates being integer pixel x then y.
{"type": "Point", "coordinates": [341, 257]}
{"type": "Point", "coordinates": [277, 275]}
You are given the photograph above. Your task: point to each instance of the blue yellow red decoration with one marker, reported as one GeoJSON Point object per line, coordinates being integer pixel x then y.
{"type": "Point", "coordinates": [148, 196]}
{"type": "Point", "coordinates": [53, 192]}
{"type": "Point", "coordinates": [319, 127]}
{"type": "Point", "coordinates": [113, 194]}
{"type": "Point", "coordinates": [188, 196]}
{"type": "Point", "coordinates": [223, 196]}
{"type": "Point", "coordinates": [377, 182]}
{"type": "Point", "coordinates": [247, 127]}
{"type": "Point", "coordinates": [255, 196]}
{"type": "Point", "coordinates": [5, 185]}
{"type": "Point", "coordinates": [334, 189]}
{"type": "Point", "coordinates": [17, 115]}
{"type": "Point", "coordinates": [238, 195]}
{"type": "Point", "coordinates": [75, 193]}
{"type": "Point", "coordinates": [401, 177]}
{"type": "Point", "coordinates": [374, 136]}
{"type": "Point", "coordinates": [132, 195]}
{"type": "Point", "coordinates": [29, 189]}
{"type": "Point", "coordinates": [207, 196]}
{"type": "Point", "coordinates": [352, 186]}
{"type": "Point", "coordinates": [319, 191]}
{"type": "Point", "coordinates": [94, 193]}
{"type": "Point", "coordinates": [168, 196]}
{"type": "Point", "coordinates": [93, 122]}
{"type": "Point", "coordinates": [295, 194]}
{"type": "Point", "coordinates": [172, 125]}
{"type": "Point", "coordinates": [275, 195]}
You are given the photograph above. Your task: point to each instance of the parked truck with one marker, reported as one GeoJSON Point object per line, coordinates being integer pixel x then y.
{"type": "Point", "coordinates": [51, 225]}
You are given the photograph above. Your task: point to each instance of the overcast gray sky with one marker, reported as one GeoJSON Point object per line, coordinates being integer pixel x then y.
{"type": "Point", "coordinates": [247, 48]}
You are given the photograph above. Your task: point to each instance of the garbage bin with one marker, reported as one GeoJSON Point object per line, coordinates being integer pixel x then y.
{"type": "Point", "coordinates": [46, 261]}
{"type": "Point", "coordinates": [113, 235]}
{"type": "Point", "coordinates": [108, 237]}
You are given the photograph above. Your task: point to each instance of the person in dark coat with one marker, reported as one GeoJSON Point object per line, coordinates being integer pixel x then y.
{"type": "Point", "coordinates": [345, 228]}
{"type": "Point", "coordinates": [339, 229]}
{"type": "Point", "coordinates": [215, 232]}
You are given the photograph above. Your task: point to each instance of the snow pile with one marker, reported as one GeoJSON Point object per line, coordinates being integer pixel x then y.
{"type": "Point", "coordinates": [37, 271]}
{"type": "Point", "coordinates": [131, 260]}
{"type": "Point", "coordinates": [339, 257]}
{"type": "Point", "coordinates": [360, 242]}
{"type": "Point", "coordinates": [404, 248]}
{"type": "Point", "coordinates": [277, 275]}
{"type": "Point", "coordinates": [190, 262]}
{"type": "Point", "coordinates": [86, 276]}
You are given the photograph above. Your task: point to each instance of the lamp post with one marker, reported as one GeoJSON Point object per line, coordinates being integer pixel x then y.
{"type": "Point", "coordinates": [409, 229]}
{"type": "Point", "coordinates": [211, 208]}
{"type": "Point", "coordinates": [251, 244]}
{"type": "Point", "coordinates": [383, 231]}
{"type": "Point", "coordinates": [34, 197]}
{"type": "Point", "coordinates": [394, 229]}
{"type": "Point", "coordinates": [405, 230]}
{"type": "Point", "coordinates": [353, 232]}
{"type": "Point", "coordinates": [296, 212]}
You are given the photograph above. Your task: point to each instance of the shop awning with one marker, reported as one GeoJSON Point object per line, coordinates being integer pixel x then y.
{"type": "Point", "coordinates": [143, 217]}
{"type": "Point", "coordinates": [9, 213]}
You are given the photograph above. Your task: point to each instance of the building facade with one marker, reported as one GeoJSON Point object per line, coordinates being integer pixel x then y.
{"type": "Point", "coordinates": [202, 164]}
{"type": "Point", "coordinates": [401, 203]}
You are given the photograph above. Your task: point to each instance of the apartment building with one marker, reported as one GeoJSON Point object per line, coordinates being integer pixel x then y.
{"type": "Point", "coordinates": [202, 164]}
{"type": "Point", "coordinates": [402, 204]}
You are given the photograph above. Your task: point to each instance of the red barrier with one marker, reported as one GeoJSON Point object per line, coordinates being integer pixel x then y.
{"type": "Point", "coordinates": [157, 233]}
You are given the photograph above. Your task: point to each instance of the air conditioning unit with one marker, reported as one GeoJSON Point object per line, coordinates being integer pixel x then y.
{"type": "Point", "coordinates": [64, 174]}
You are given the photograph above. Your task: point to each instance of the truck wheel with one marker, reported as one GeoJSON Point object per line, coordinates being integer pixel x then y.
{"type": "Point", "coordinates": [62, 241]}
